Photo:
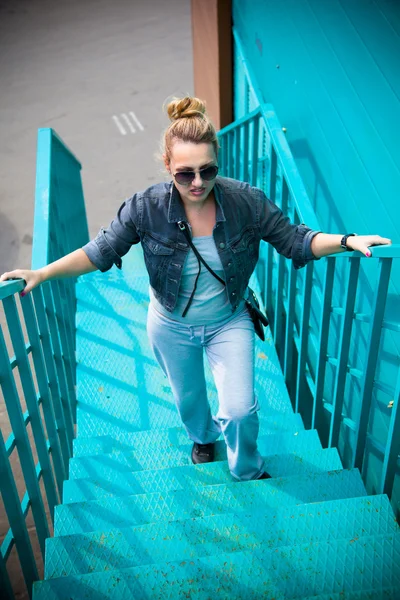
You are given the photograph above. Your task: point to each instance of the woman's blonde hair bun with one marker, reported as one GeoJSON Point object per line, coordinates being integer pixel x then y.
{"type": "Point", "coordinates": [180, 108]}
{"type": "Point", "coordinates": [190, 123]}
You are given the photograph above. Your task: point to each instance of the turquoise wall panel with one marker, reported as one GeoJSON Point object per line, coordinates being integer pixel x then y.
{"type": "Point", "coordinates": [332, 71]}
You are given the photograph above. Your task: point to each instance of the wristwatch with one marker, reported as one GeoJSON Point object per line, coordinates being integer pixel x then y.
{"type": "Point", "coordinates": [343, 242]}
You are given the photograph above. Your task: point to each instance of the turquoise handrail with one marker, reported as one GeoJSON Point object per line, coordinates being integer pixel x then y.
{"type": "Point", "coordinates": [48, 317]}
{"type": "Point", "coordinates": [288, 294]}
{"type": "Point", "coordinates": [287, 308]}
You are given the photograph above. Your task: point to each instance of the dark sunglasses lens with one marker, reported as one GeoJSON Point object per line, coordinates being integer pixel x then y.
{"type": "Point", "coordinates": [184, 177]}
{"type": "Point", "coordinates": [209, 173]}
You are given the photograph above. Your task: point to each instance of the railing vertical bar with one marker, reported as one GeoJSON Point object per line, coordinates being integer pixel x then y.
{"type": "Point", "coordinates": [71, 324]}
{"type": "Point", "coordinates": [73, 302]}
{"type": "Point", "coordinates": [226, 155]}
{"type": "Point", "coordinates": [323, 340]}
{"type": "Point", "coordinates": [272, 174]}
{"type": "Point", "coordinates": [233, 152]}
{"type": "Point", "coordinates": [246, 145]}
{"type": "Point", "coordinates": [264, 148]}
{"type": "Point", "coordinates": [372, 350]}
{"type": "Point", "coordinates": [17, 338]}
{"type": "Point", "coordinates": [278, 329]}
{"type": "Point", "coordinates": [246, 96]}
{"type": "Point", "coordinates": [8, 541]}
{"type": "Point", "coordinates": [221, 154]}
{"type": "Point", "coordinates": [67, 351]}
{"type": "Point", "coordinates": [279, 305]}
{"type": "Point", "coordinates": [304, 331]}
{"type": "Point", "coordinates": [226, 151]}
{"type": "Point", "coordinates": [238, 131]}
{"type": "Point", "coordinates": [43, 385]}
{"type": "Point", "coordinates": [68, 302]}
{"type": "Point", "coordinates": [242, 157]}
{"type": "Point", "coordinates": [14, 410]}
{"type": "Point", "coordinates": [60, 364]}
{"type": "Point", "coordinates": [343, 351]}
{"type": "Point", "coordinates": [7, 592]}
{"type": "Point", "coordinates": [288, 361]}
{"type": "Point", "coordinates": [229, 154]}
{"type": "Point", "coordinates": [254, 151]}
{"type": "Point", "coordinates": [392, 449]}
{"type": "Point", "coordinates": [268, 286]}
{"type": "Point", "coordinates": [53, 367]}
{"type": "Point", "coordinates": [12, 505]}
{"type": "Point", "coordinates": [67, 331]}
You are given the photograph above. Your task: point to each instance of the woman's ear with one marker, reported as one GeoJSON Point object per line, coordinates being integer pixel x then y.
{"type": "Point", "coordinates": [166, 163]}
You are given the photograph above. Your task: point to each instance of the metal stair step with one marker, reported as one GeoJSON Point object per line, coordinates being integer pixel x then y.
{"type": "Point", "coordinates": [109, 480]}
{"type": "Point", "coordinates": [161, 444]}
{"type": "Point", "coordinates": [387, 593]}
{"type": "Point", "coordinates": [176, 436]}
{"type": "Point", "coordinates": [155, 450]}
{"type": "Point", "coordinates": [184, 539]}
{"type": "Point", "coordinates": [371, 562]}
{"type": "Point", "coordinates": [123, 511]}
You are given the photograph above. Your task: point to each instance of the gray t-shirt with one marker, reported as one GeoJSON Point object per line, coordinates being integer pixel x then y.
{"type": "Point", "coordinates": [210, 302]}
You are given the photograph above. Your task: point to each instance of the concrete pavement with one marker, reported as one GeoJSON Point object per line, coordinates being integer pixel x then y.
{"type": "Point", "coordinates": [73, 66]}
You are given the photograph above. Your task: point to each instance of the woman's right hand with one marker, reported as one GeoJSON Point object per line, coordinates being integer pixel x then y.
{"type": "Point", "coordinates": [32, 278]}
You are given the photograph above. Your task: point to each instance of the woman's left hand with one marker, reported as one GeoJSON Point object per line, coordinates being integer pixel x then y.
{"type": "Point", "coordinates": [362, 242]}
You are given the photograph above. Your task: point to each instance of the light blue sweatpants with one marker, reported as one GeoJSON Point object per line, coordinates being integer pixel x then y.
{"type": "Point", "coordinates": [229, 346]}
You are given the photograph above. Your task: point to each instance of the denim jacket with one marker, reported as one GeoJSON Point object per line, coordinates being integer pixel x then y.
{"type": "Point", "coordinates": [244, 217]}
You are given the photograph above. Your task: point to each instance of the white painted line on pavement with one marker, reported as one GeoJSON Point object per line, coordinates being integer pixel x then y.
{"type": "Point", "coordinates": [119, 125]}
{"type": "Point", "coordinates": [126, 119]}
{"type": "Point", "coordinates": [138, 123]}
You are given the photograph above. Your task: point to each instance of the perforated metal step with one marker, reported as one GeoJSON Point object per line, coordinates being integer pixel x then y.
{"type": "Point", "coordinates": [154, 453]}
{"type": "Point", "coordinates": [124, 511]}
{"type": "Point", "coordinates": [287, 572]}
{"type": "Point", "coordinates": [111, 480]}
{"type": "Point", "coordinates": [191, 538]}
{"type": "Point", "coordinates": [174, 436]}
{"type": "Point", "coordinates": [383, 594]}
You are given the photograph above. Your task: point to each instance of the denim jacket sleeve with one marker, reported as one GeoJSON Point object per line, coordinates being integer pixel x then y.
{"type": "Point", "coordinates": [115, 240]}
{"type": "Point", "coordinates": [293, 241]}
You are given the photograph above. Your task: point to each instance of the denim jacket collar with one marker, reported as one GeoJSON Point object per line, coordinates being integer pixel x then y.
{"type": "Point", "coordinates": [176, 211]}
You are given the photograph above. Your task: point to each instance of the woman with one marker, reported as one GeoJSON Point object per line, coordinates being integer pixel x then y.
{"type": "Point", "coordinates": [190, 310]}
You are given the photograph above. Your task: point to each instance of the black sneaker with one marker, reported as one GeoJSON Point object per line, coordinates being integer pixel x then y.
{"type": "Point", "coordinates": [202, 453]}
{"type": "Point", "coordinates": [265, 475]}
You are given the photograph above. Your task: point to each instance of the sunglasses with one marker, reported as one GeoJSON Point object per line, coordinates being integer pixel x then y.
{"type": "Point", "coordinates": [186, 177]}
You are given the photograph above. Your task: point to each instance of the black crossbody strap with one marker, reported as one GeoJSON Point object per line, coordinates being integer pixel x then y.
{"type": "Point", "coordinates": [182, 227]}
{"type": "Point", "coordinates": [193, 291]}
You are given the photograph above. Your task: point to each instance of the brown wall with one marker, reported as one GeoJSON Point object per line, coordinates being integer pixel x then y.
{"type": "Point", "coordinates": [212, 57]}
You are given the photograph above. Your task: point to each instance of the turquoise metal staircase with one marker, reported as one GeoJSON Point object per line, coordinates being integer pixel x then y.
{"type": "Point", "coordinates": [137, 518]}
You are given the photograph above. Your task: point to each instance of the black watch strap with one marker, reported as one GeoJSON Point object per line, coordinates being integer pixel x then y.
{"type": "Point", "coordinates": [343, 242]}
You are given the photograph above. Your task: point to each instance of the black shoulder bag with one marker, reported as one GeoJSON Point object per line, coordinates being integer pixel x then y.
{"type": "Point", "coordinates": [251, 302]}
